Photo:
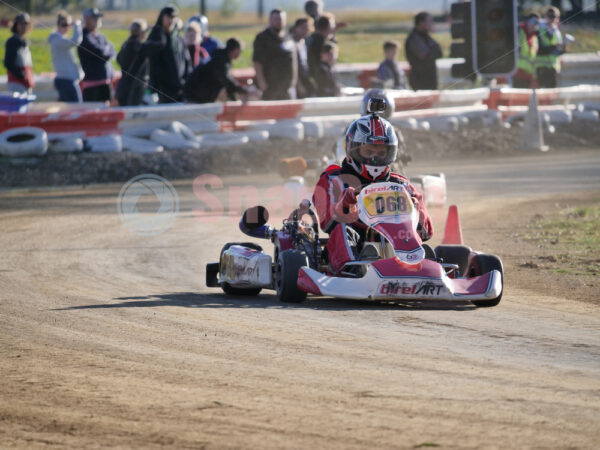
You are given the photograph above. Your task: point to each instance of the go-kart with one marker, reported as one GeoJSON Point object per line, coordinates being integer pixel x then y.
{"type": "Point", "coordinates": [391, 262]}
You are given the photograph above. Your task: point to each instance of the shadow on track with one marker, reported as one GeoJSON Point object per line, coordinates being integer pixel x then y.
{"type": "Point", "coordinates": [269, 301]}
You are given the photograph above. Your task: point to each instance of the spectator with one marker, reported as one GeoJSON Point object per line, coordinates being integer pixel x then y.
{"type": "Point", "coordinates": [193, 35]}
{"type": "Point", "coordinates": [421, 52]}
{"type": "Point", "coordinates": [327, 83]}
{"type": "Point", "coordinates": [209, 43]}
{"type": "Point", "coordinates": [17, 57]}
{"type": "Point", "coordinates": [551, 46]}
{"type": "Point", "coordinates": [65, 65]}
{"type": "Point", "coordinates": [208, 80]}
{"type": "Point", "coordinates": [95, 53]}
{"type": "Point", "coordinates": [314, 9]}
{"type": "Point", "coordinates": [275, 60]}
{"type": "Point", "coordinates": [133, 59]}
{"type": "Point", "coordinates": [169, 58]}
{"type": "Point", "coordinates": [389, 72]}
{"type": "Point", "coordinates": [300, 31]}
{"type": "Point", "coordinates": [528, 49]}
{"type": "Point", "coordinates": [323, 33]}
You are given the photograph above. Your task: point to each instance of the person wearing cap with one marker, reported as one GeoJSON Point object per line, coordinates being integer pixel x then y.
{"type": "Point", "coordinates": [62, 49]}
{"type": "Point", "coordinates": [207, 81]}
{"type": "Point", "coordinates": [551, 46]}
{"type": "Point", "coordinates": [525, 77]}
{"type": "Point", "coordinates": [170, 62]}
{"type": "Point", "coordinates": [95, 55]}
{"type": "Point", "coordinates": [133, 59]}
{"type": "Point", "coordinates": [17, 57]}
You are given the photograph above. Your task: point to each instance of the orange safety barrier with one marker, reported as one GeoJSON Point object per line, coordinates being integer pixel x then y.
{"type": "Point", "coordinates": [92, 123]}
{"type": "Point", "coordinates": [520, 97]}
{"type": "Point", "coordinates": [287, 109]}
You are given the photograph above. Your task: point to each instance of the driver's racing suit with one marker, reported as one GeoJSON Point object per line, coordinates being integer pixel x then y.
{"type": "Point", "coordinates": [344, 237]}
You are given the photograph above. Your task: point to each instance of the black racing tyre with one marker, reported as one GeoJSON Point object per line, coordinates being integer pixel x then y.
{"type": "Point", "coordinates": [454, 254]}
{"type": "Point", "coordinates": [480, 265]}
{"type": "Point", "coordinates": [212, 272]}
{"type": "Point", "coordinates": [230, 290]}
{"type": "Point", "coordinates": [286, 276]}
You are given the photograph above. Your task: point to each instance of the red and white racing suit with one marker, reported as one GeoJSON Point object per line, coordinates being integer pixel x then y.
{"type": "Point", "coordinates": [328, 192]}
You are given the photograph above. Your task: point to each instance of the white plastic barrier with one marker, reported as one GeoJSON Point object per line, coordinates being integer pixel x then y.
{"type": "Point", "coordinates": [586, 115]}
{"type": "Point", "coordinates": [182, 130]}
{"type": "Point", "coordinates": [172, 141]}
{"type": "Point", "coordinates": [66, 145]}
{"type": "Point", "coordinates": [224, 140]}
{"type": "Point", "coordinates": [24, 141]}
{"type": "Point", "coordinates": [137, 145]}
{"type": "Point", "coordinates": [176, 111]}
{"type": "Point", "coordinates": [444, 123]}
{"type": "Point", "coordinates": [463, 97]}
{"type": "Point", "coordinates": [105, 144]}
{"type": "Point", "coordinates": [313, 129]}
{"type": "Point", "coordinates": [329, 106]}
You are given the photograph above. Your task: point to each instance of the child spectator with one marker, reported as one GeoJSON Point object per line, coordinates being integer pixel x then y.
{"type": "Point", "coordinates": [327, 83]}
{"type": "Point", "coordinates": [62, 48]}
{"type": "Point", "coordinates": [389, 72]}
{"type": "Point", "coordinates": [193, 36]}
{"type": "Point", "coordinates": [17, 57]}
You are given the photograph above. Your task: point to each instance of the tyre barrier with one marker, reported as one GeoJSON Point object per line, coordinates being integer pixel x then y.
{"type": "Point", "coordinates": [586, 115]}
{"type": "Point", "coordinates": [66, 145]}
{"type": "Point", "coordinates": [313, 129]}
{"type": "Point", "coordinates": [173, 141]}
{"type": "Point", "coordinates": [224, 140]}
{"type": "Point", "coordinates": [23, 141]}
{"type": "Point", "coordinates": [105, 144]}
{"type": "Point", "coordinates": [137, 145]}
{"type": "Point", "coordinates": [182, 130]}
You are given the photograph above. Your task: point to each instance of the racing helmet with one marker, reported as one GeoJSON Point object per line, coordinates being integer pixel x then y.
{"type": "Point", "coordinates": [381, 94]}
{"type": "Point", "coordinates": [379, 134]}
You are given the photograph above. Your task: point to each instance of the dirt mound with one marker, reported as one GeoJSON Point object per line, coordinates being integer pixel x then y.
{"type": "Point", "coordinates": [86, 168]}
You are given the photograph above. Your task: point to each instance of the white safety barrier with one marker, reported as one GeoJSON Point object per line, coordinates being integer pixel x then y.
{"type": "Point", "coordinates": [105, 144]}
{"type": "Point", "coordinates": [137, 145]}
{"type": "Point", "coordinates": [24, 141]}
{"type": "Point", "coordinates": [172, 141]}
{"type": "Point", "coordinates": [224, 140]}
{"type": "Point", "coordinates": [182, 130]}
{"type": "Point", "coordinates": [66, 145]}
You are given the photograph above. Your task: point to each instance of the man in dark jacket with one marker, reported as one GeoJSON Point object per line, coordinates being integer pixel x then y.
{"type": "Point", "coordinates": [275, 61]}
{"type": "Point", "coordinates": [207, 80]}
{"type": "Point", "coordinates": [169, 58]}
{"type": "Point", "coordinates": [133, 59]}
{"type": "Point", "coordinates": [421, 53]}
{"type": "Point", "coordinates": [95, 54]}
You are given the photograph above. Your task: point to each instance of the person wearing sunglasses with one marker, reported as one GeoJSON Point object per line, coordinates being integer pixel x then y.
{"type": "Point", "coordinates": [62, 49]}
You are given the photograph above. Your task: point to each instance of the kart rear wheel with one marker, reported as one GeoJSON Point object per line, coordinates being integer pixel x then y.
{"type": "Point", "coordinates": [454, 254]}
{"type": "Point", "coordinates": [480, 265]}
{"type": "Point", "coordinates": [286, 276]}
{"type": "Point", "coordinates": [230, 290]}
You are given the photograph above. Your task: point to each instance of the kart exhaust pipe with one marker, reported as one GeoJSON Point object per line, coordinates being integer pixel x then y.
{"type": "Point", "coordinates": [253, 223]}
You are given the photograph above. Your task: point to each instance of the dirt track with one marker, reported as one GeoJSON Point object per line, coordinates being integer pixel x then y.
{"type": "Point", "coordinates": [111, 339]}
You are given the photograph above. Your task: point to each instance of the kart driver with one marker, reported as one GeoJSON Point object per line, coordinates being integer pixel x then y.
{"type": "Point", "coordinates": [371, 148]}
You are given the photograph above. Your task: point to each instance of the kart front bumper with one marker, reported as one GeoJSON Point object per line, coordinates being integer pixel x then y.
{"type": "Point", "coordinates": [402, 285]}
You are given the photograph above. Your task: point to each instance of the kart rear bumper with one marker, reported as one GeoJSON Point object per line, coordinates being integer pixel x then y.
{"type": "Point", "coordinates": [402, 285]}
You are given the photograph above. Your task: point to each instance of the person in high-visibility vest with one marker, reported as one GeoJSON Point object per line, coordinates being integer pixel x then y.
{"type": "Point", "coordinates": [551, 46]}
{"type": "Point", "coordinates": [528, 49]}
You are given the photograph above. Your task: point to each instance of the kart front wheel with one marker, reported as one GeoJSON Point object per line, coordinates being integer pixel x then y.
{"type": "Point", "coordinates": [480, 265]}
{"type": "Point", "coordinates": [286, 276]}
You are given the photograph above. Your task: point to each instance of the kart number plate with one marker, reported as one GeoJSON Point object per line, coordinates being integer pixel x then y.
{"type": "Point", "coordinates": [387, 203]}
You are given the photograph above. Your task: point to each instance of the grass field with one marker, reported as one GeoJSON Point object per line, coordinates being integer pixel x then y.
{"type": "Point", "coordinates": [574, 236]}
{"type": "Point", "coordinates": [361, 41]}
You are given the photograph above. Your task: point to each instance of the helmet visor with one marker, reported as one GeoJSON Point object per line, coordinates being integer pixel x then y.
{"type": "Point", "coordinates": [374, 154]}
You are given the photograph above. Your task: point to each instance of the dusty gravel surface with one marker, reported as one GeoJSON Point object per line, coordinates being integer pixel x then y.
{"type": "Point", "coordinates": [110, 339]}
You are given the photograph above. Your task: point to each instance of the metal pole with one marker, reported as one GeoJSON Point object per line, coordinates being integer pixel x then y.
{"type": "Point", "coordinates": [203, 7]}
{"type": "Point", "coordinates": [261, 8]}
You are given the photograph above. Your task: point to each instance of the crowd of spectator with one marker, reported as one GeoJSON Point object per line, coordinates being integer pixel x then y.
{"type": "Point", "coordinates": [178, 62]}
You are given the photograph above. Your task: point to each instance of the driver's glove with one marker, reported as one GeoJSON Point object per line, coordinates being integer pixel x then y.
{"type": "Point", "coordinates": [345, 209]}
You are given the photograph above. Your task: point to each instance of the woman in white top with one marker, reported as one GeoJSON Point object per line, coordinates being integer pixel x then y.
{"type": "Point", "coordinates": [65, 64]}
